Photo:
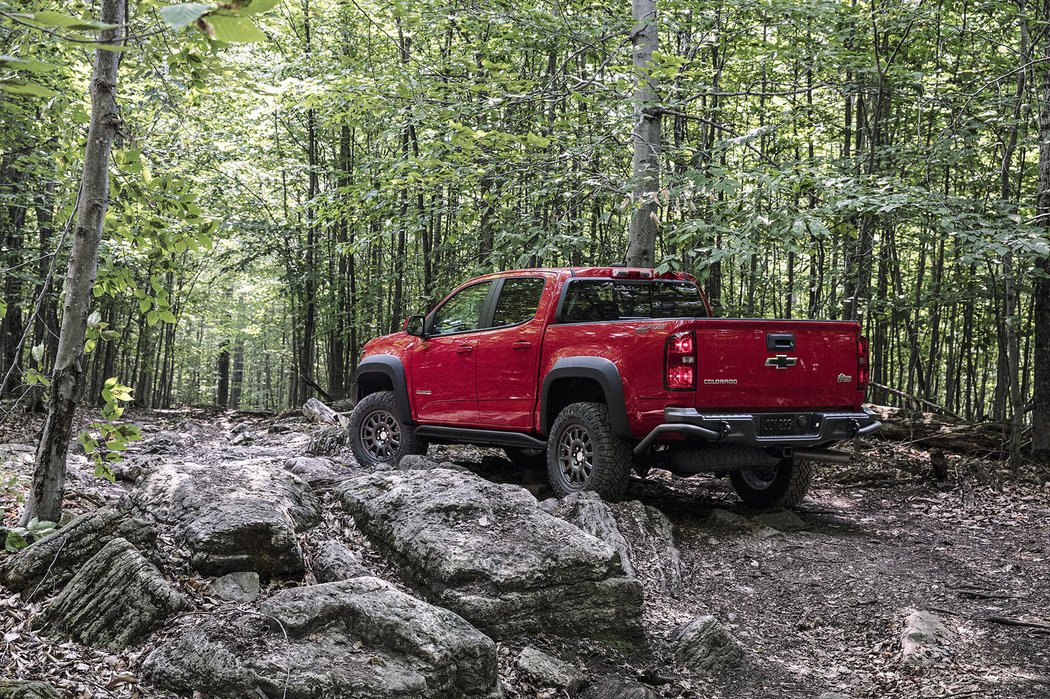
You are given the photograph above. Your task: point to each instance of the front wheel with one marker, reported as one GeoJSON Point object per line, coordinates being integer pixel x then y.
{"type": "Point", "coordinates": [377, 435]}
{"type": "Point", "coordinates": [583, 453]}
{"type": "Point", "coordinates": [783, 485]}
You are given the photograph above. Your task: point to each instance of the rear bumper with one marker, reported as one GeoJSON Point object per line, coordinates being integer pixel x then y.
{"type": "Point", "coordinates": [764, 429]}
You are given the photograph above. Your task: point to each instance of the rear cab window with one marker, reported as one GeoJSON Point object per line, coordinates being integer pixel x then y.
{"type": "Point", "coordinates": [598, 300]}
{"type": "Point", "coordinates": [519, 299]}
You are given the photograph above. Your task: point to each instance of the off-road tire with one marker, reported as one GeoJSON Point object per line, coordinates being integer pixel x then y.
{"type": "Point", "coordinates": [371, 446]}
{"type": "Point", "coordinates": [609, 458]}
{"type": "Point", "coordinates": [786, 488]}
{"type": "Point", "coordinates": [526, 458]}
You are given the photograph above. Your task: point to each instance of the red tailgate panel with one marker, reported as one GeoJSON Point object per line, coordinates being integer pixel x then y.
{"type": "Point", "coordinates": [819, 373]}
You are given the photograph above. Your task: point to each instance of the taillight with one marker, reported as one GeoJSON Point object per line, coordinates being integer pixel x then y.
{"type": "Point", "coordinates": [680, 362]}
{"type": "Point", "coordinates": [863, 365]}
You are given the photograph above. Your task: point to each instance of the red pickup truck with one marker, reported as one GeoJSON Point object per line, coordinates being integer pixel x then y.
{"type": "Point", "coordinates": [601, 372]}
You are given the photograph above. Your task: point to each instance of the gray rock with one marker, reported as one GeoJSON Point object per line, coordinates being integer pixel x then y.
{"type": "Point", "coordinates": [704, 645]}
{"type": "Point", "coordinates": [313, 470]}
{"type": "Point", "coordinates": [115, 599]}
{"type": "Point", "coordinates": [651, 546]}
{"type": "Point", "coordinates": [925, 639]}
{"type": "Point", "coordinates": [642, 535]}
{"type": "Point", "coordinates": [335, 561]}
{"type": "Point", "coordinates": [164, 442]}
{"type": "Point", "coordinates": [730, 522]}
{"type": "Point", "coordinates": [316, 411]}
{"type": "Point", "coordinates": [415, 462]}
{"type": "Point", "coordinates": [19, 689]}
{"type": "Point", "coordinates": [47, 564]}
{"type": "Point", "coordinates": [242, 586]}
{"type": "Point", "coordinates": [593, 515]}
{"type": "Point", "coordinates": [550, 671]}
{"type": "Point", "coordinates": [615, 688]}
{"type": "Point", "coordinates": [239, 516]}
{"type": "Point", "coordinates": [328, 441]}
{"type": "Point", "coordinates": [833, 695]}
{"type": "Point", "coordinates": [487, 551]}
{"type": "Point", "coordinates": [781, 520]}
{"type": "Point", "coordinates": [354, 639]}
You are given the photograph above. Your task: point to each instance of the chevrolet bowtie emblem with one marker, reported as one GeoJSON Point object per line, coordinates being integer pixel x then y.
{"type": "Point", "coordinates": [782, 361]}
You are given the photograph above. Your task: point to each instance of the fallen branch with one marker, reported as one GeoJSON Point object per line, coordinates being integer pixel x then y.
{"type": "Point", "coordinates": [1007, 621]}
{"type": "Point", "coordinates": [938, 408]}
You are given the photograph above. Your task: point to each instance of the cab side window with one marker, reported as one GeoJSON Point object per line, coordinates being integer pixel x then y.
{"type": "Point", "coordinates": [462, 312]}
{"type": "Point", "coordinates": [518, 301]}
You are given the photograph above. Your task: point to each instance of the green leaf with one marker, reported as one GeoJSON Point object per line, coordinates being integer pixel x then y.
{"type": "Point", "coordinates": [47, 18]}
{"type": "Point", "coordinates": [15, 541]}
{"type": "Point", "coordinates": [21, 87]}
{"type": "Point", "coordinates": [258, 6]}
{"type": "Point", "coordinates": [167, 316]}
{"type": "Point", "coordinates": [38, 352]}
{"type": "Point", "coordinates": [30, 64]}
{"type": "Point", "coordinates": [233, 29]}
{"type": "Point", "coordinates": [181, 16]}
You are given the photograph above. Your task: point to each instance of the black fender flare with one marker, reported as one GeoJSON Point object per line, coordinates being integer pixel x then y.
{"type": "Point", "coordinates": [391, 367]}
{"type": "Point", "coordinates": [598, 369]}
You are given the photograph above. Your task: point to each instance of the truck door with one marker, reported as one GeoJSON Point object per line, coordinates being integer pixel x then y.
{"type": "Point", "coordinates": [509, 354]}
{"type": "Point", "coordinates": [444, 367]}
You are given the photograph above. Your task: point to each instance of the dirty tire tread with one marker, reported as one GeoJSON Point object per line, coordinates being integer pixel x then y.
{"type": "Point", "coordinates": [783, 492]}
{"type": "Point", "coordinates": [616, 459]}
{"type": "Point", "coordinates": [410, 443]}
{"type": "Point", "coordinates": [798, 486]}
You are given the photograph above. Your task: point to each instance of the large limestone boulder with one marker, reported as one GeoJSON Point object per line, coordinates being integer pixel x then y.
{"type": "Point", "coordinates": [488, 552]}
{"type": "Point", "coordinates": [21, 689]}
{"type": "Point", "coordinates": [239, 516]}
{"type": "Point", "coordinates": [641, 534]}
{"type": "Point", "coordinates": [49, 563]}
{"type": "Point", "coordinates": [359, 638]}
{"type": "Point", "coordinates": [115, 599]}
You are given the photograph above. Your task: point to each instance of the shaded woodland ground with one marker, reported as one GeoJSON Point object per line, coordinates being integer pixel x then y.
{"type": "Point", "coordinates": [820, 608]}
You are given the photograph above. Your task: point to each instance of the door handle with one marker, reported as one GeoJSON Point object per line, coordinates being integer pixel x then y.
{"type": "Point", "coordinates": [464, 349]}
{"type": "Point", "coordinates": [522, 344]}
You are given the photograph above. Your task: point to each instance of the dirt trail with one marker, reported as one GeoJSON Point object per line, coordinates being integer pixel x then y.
{"type": "Point", "coordinates": [820, 609]}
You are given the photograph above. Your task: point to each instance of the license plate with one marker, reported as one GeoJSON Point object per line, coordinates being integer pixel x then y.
{"type": "Point", "coordinates": [776, 425]}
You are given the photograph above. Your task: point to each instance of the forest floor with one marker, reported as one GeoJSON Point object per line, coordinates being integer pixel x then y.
{"type": "Point", "coordinates": [821, 609]}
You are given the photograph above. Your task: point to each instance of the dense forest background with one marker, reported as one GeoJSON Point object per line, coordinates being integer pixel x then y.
{"type": "Point", "coordinates": [289, 184]}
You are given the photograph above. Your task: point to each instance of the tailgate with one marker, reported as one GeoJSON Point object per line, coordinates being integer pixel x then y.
{"type": "Point", "coordinates": [776, 365]}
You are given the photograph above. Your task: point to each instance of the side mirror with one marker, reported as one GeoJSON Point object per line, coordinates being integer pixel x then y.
{"type": "Point", "coordinates": [415, 325]}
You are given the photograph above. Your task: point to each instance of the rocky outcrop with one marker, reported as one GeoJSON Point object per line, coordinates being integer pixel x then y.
{"type": "Point", "coordinates": [115, 599]}
{"type": "Point", "coordinates": [356, 639]}
{"type": "Point", "coordinates": [925, 639]}
{"type": "Point", "coordinates": [593, 515]}
{"type": "Point", "coordinates": [328, 441]}
{"type": "Point", "coordinates": [548, 671]}
{"type": "Point", "coordinates": [335, 561]}
{"type": "Point", "coordinates": [315, 471]}
{"type": "Point", "coordinates": [705, 645]}
{"type": "Point", "coordinates": [642, 535]}
{"type": "Point", "coordinates": [489, 553]}
{"type": "Point", "coordinates": [240, 516]}
{"type": "Point", "coordinates": [17, 689]}
{"type": "Point", "coordinates": [241, 586]}
{"type": "Point", "coordinates": [615, 688]}
{"type": "Point", "coordinates": [316, 411]}
{"type": "Point", "coordinates": [48, 563]}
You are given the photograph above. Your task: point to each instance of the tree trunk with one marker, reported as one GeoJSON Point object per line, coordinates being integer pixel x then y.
{"type": "Point", "coordinates": [1041, 290]}
{"type": "Point", "coordinates": [222, 369]}
{"type": "Point", "coordinates": [237, 378]}
{"type": "Point", "coordinates": [646, 138]}
{"type": "Point", "coordinates": [49, 476]}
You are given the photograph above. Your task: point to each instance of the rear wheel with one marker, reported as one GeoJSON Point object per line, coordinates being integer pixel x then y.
{"type": "Point", "coordinates": [377, 435]}
{"type": "Point", "coordinates": [583, 453]}
{"type": "Point", "coordinates": [783, 485]}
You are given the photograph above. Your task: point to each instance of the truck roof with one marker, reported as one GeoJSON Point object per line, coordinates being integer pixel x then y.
{"type": "Point", "coordinates": [610, 272]}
